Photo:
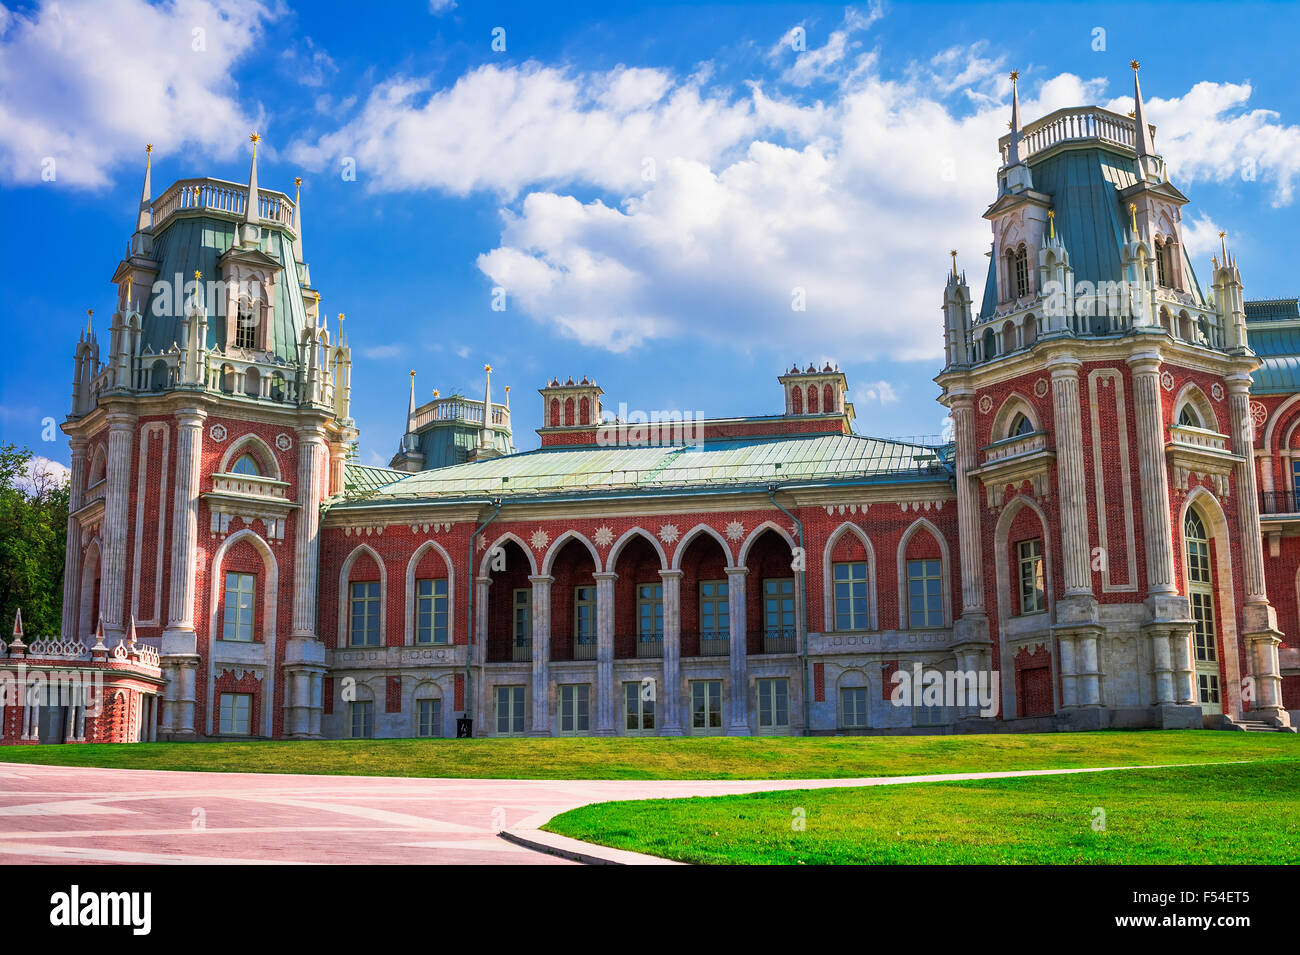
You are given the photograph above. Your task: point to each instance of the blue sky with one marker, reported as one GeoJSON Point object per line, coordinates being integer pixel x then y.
{"type": "Point", "coordinates": [648, 183]}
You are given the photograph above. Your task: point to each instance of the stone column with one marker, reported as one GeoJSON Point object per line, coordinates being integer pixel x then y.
{"type": "Point", "coordinates": [311, 490]}
{"type": "Point", "coordinates": [973, 627]}
{"type": "Point", "coordinates": [317, 704]}
{"type": "Point", "coordinates": [541, 655]}
{"type": "Point", "coordinates": [671, 724]}
{"type": "Point", "coordinates": [1069, 686]}
{"type": "Point", "coordinates": [1068, 438]}
{"type": "Point", "coordinates": [117, 500]}
{"type": "Point", "coordinates": [1162, 665]}
{"type": "Point", "coordinates": [1153, 474]}
{"type": "Point", "coordinates": [607, 700]}
{"type": "Point", "coordinates": [738, 697]}
{"type": "Point", "coordinates": [179, 639]}
{"type": "Point", "coordinates": [480, 701]}
{"type": "Point", "coordinates": [1088, 669]}
{"type": "Point", "coordinates": [72, 551]}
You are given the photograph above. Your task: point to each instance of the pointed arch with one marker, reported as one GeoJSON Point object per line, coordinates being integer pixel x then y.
{"type": "Point", "coordinates": [270, 608]}
{"type": "Point", "coordinates": [1014, 404]}
{"type": "Point", "coordinates": [945, 571]}
{"type": "Point", "coordinates": [680, 551]}
{"type": "Point", "coordinates": [98, 470]}
{"type": "Point", "coordinates": [507, 536]}
{"type": "Point", "coordinates": [611, 561]}
{"type": "Point", "coordinates": [90, 560]}
{"type": "Point", "coordinates": [548, 561]}
{"type": "Point", "coordinates": [1219, 530]}
{"type": "Point", "coordinates": [411, 566]}
{"type": "Point", "coordinates": [259, 449]}
{"type": "Point", "coordinates": [828, 583]}
{"type": "Point", "coordinates": [754, 535]}
{"type": "Point", "coordinates": [1192, 395]}
{"type": "Point", "coordinates": [1274, 417]}
{"type": "Point", "coordinates": [344, 595]}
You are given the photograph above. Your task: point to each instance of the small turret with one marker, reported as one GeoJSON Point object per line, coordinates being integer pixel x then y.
{"type": "Point", "coordinates": [1018, 178]}
{"type": "Point", "coordinates": [1150, 166]}
{"type": "Point", "coordinates": [1229, 300]}
{"type": "Point", "coordinates": [956, 317]}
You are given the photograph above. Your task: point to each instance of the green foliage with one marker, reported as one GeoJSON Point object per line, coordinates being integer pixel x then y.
{"type": "Point", "coordinates": [33, 531]}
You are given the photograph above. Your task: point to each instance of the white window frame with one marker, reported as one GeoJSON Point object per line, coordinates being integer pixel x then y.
{"type": "Point", "coordinates": [709, 697]}
{"type": "Point", "coordinates": [238, 620]}
{"type": "Point", "coordinates": [361, 713]}
{"type": "Point", "coordinates": [429, 607]}
{"type": "Point", "coordinates": [515, 714]}
{"type": "Point", "coordinates": [430, 727]}
{"type": "Point", "coordinates": [236, 714]}
{"type": "Point", "coordinates": [369, 601]}
{"type": "Point", "coordinates": [845, 721]}
{"type": "Point", "coordinates": [1029, 555]}
{"type": "Point", "coordinates": [573, 702]}
{"type": "Point", "coordinates": [850, 585]}
{"type": "Point", "coordinates": [635, 706]}
{"type": "Point", "coordinates": [773, 694]}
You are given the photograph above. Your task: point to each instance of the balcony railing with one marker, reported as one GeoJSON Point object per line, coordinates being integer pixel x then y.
{"type": "Point", "coordinates": [1198, 437]}
{"type": "Point", "coordinates": [649, 645]}
{"type": "Point", "coordinates": [1279, 502]}
{"type": "Point", "coordinates": [714, 643]}
{"type": "Point", "coordinates": [777, 641]}
{"type": "Point", "coordinates": [226, 200]}
{"type": "Point", "coordinates": [522, 651]}
{"type": "Point", "coordinates": [584, 650]}
{"type": "Point", "coordinates": [1073, 124]}
{"type": "Point", "coordinates": [1014, 447]}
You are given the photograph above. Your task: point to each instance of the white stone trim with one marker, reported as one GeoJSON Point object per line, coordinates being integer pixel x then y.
{"type": "Point", "coordinates": [264, 454]}
{"type": "Point", "coordinates": [270, 608]}
{"type": "Point", "coordinates": [828, 583]}
{"type": "Point", "coordinates": [685, 540]}
{"type": "Point", "coordinates": [1099, 479]}
{"type": "Point", "coordinates": [86, 604]}
{"type": "Point", "coordinates": [345, 597]}
{"type": "Point", "coordinates": [904, 623]}
{"type": "Point", "coordinates": [1006, 413]}
{"type": "Point", "coordinates": [1005, 580]}
{"type": "Point", "coordinates": [743, 556]}
{"type": "Point", "coordinates": [411, 565]}
{"type": "Point", "coordinates": [1216, 524]}
{"type": "Point", "coordinates": [548, 561]}
{"type": "Point", "coordinates": [485, 571]}
{"type": "Point", "coordinates": [611, 561]}
{"type": "Point", "coordinates": [1192, 394]}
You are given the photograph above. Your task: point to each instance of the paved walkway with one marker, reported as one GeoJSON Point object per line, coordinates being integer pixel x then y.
{"type": "Point", "coordinates": [60, 814]}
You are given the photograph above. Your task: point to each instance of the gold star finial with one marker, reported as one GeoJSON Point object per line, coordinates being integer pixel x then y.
{"type": "Point", "coordinates": [148, 148]}
{"type": "Point", "coordinates": [1133, 216]}
{"type": "Point", "coordinates": [197, 275]}
{"type": "Point", "coordinates": [953, 253]}
{"type": "Point", "coordinates": [1015, 75]}
{"type": "Point", "coordinates": [254, 138]}
{"type": "Point", "coordinates": [297, 180]}
{"type": "Point", "coordinates": [340, 318]}
{"type": "Point", "coordinates": [1051, 223]}
{"type": "Point", "coordinates": [1134, 64]}
{"type": "Point", "coordinates": [1223, 245]}
{"type": "Point", "coordinates": [1132, 114]}
{"type": "Point", "coordinates": [435, 392]}
{"type": "Point", "coordinates": [487, 368]}
{"type": "Point", "coordinates": [412, 372]}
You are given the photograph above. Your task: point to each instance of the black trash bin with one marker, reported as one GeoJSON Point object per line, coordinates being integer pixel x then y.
{"type": "Point", "coordinates": [464, 727]}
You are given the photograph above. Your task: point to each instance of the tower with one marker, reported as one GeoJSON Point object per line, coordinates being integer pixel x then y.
{"type": "Point", "coordinates": [202, 449]}
{"type": "Point", "coordinates": [1103, 447]}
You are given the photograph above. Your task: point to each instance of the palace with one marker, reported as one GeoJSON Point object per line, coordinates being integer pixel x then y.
{"type": "Point", "coordinates": [1110, 538]}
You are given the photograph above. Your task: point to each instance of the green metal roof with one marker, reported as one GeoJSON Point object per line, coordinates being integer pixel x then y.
{"type": "Point", "coordinates": [1273, 330]}
{"type": "Point", "coordinates": [365, 479]}
{"type": "Point", "coordinates": [198, 242]}
{"type": "Point", "coordinates": [713, 465]}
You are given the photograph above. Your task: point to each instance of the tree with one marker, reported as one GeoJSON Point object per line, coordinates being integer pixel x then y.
{"type": "Point", "coordinates": [33, 533]}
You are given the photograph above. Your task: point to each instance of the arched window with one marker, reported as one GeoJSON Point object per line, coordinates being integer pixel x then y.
{"type": "Point", "coordinates": [1162, 268]}
{"type": "Point", "coordinates": [812, 399]}
{"type": "Point", "coordinates": [246, 330]}
{"type": "Point", "coordinates": [828, 399]}
{"type": "Point", "coordinates": [584, 411]}
{"type": "Point", "coordinates": [990, 344]}
{"type": "Point", "coordinates": [158, 375]}
{"type": "Point", "coordinates": [1021, 425]}
{"type": "Point", "coordinates": [1187, 418]}
{"type": "Point", "coordinates": [1022, 272]}
{"type": "Point", "coordinates": [568, 411]}
{"type": "Point", "coordinates": [796, 399]}
{"type": "Point", "coordinates": [252, 383]}
{"type": "Point", "coordinates": [555, 412]}
{"type": "Point", "coordinates": [246, 464]}
{"type": "Point", "coordinates": [1200, 593]}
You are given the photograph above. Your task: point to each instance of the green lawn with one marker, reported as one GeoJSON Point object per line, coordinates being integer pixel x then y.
{"type": "Point", "coordinates": [682, 758]}
{"type": "Point", "coordinates": [1242, 813]}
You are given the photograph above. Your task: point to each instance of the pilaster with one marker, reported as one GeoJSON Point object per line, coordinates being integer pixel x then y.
{"type": "Point", "coordinates": [738, 695]}
{"type": "Point", "coordinates": [671, 710]}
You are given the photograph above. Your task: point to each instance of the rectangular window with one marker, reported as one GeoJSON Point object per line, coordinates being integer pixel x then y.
{"type": "Point", "coordinates": [650, 612]}
{"type": "Point", "coordinates": [639, 707]}
{"type": "Point", "coordinates": [365, 614]}
{"type": "Point", "coordinates": [930, 715]}
{"type": "Point", "coordinates": [428, 717]}
{"type": "Point", "coordinates": [773, 706]}
{"type": "Point", "coordinates": [575, 713]}
{"type": "Point", "coordinates": [715, 610]}
{"type": "Point", "coordinates": [778, 607]}
{"type": "Point", "coordinates": [246, 330]}
{"type": "Point", "coordinates": [510, 710]}
{"type": "Point", "coordinates": [851, 596]}
{"type": "Point", "coordinates": [1209, 687]}
{"type": "Point", "coordinates": [236, 712]}
{"type": "Point", "coordinates": [584, 615]}
{"type": "Point", "coordinates": [706, 707]}
{"type": "Point", "coordinates": [1295, 485]}
{"type": "Point", "coordinates": [924, 594]}
{"type": "Point", "coordinates": [1033, 587]}
{"type": "Point", "coordinates": [853, 707]}
{"type": "Point", "coordinates": [431, 611]}
{"type": "Point", "coordinates": [362, 713]}
{"type": "Point", "coordinates": [523, 619]}
{"type": "Point", "coordinates": [1203, 637]}
{"type": "Point", "coordinates": [241, 590]}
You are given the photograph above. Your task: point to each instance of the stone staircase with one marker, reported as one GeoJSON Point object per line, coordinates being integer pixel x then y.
{"type": "Point", "coordinates": [1245, 725]}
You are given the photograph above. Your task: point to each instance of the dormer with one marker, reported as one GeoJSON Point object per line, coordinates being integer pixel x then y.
{"type": "Point", "coordinates": [571, 404]}
{"type": "Point", "coordinates": [816, 392]}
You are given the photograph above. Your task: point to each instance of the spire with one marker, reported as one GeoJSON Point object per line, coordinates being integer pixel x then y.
{"type": "Point", "coordinates": [145, 219]}
{"type": "Point", "coordinates": [250, 214]}
{"type": "Point", "coordinates": [953, 253]}
{"type": "Point", "coordinates": [487, 394]}
{"type": "Point", "coordinates": [1013, 155]}
{"type": "Point", "coordinates": [89, 314]}
{"type": "Point", "coordinates": [297, 212]}
{"type": "Point", "coordinates": [410, 407]}
{"type": "Point", "coordinates": [1142, 141]}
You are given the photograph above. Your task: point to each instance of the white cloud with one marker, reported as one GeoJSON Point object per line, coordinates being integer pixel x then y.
{"type": "Point", "coordinates": [1200, 237]}
{"type": "Point", "coordinates": [384, 351]}
{"type": "Point", "coordinates": [308, 64]}
{"type": "Point", "coordinates": [1208, 134]}
{"type": "Point", "coordinates": [881, 392]}
{"type": "Point", "coordinates": [43, 472]}
{"type": "Point", "coordinates": [88, 82]}
{"type": "Point", "coordinates": [501, 128]}
{"type": "Point", "coordinates": [827, 62]}
{"type": "Point", "coordinates": [439, 7]}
